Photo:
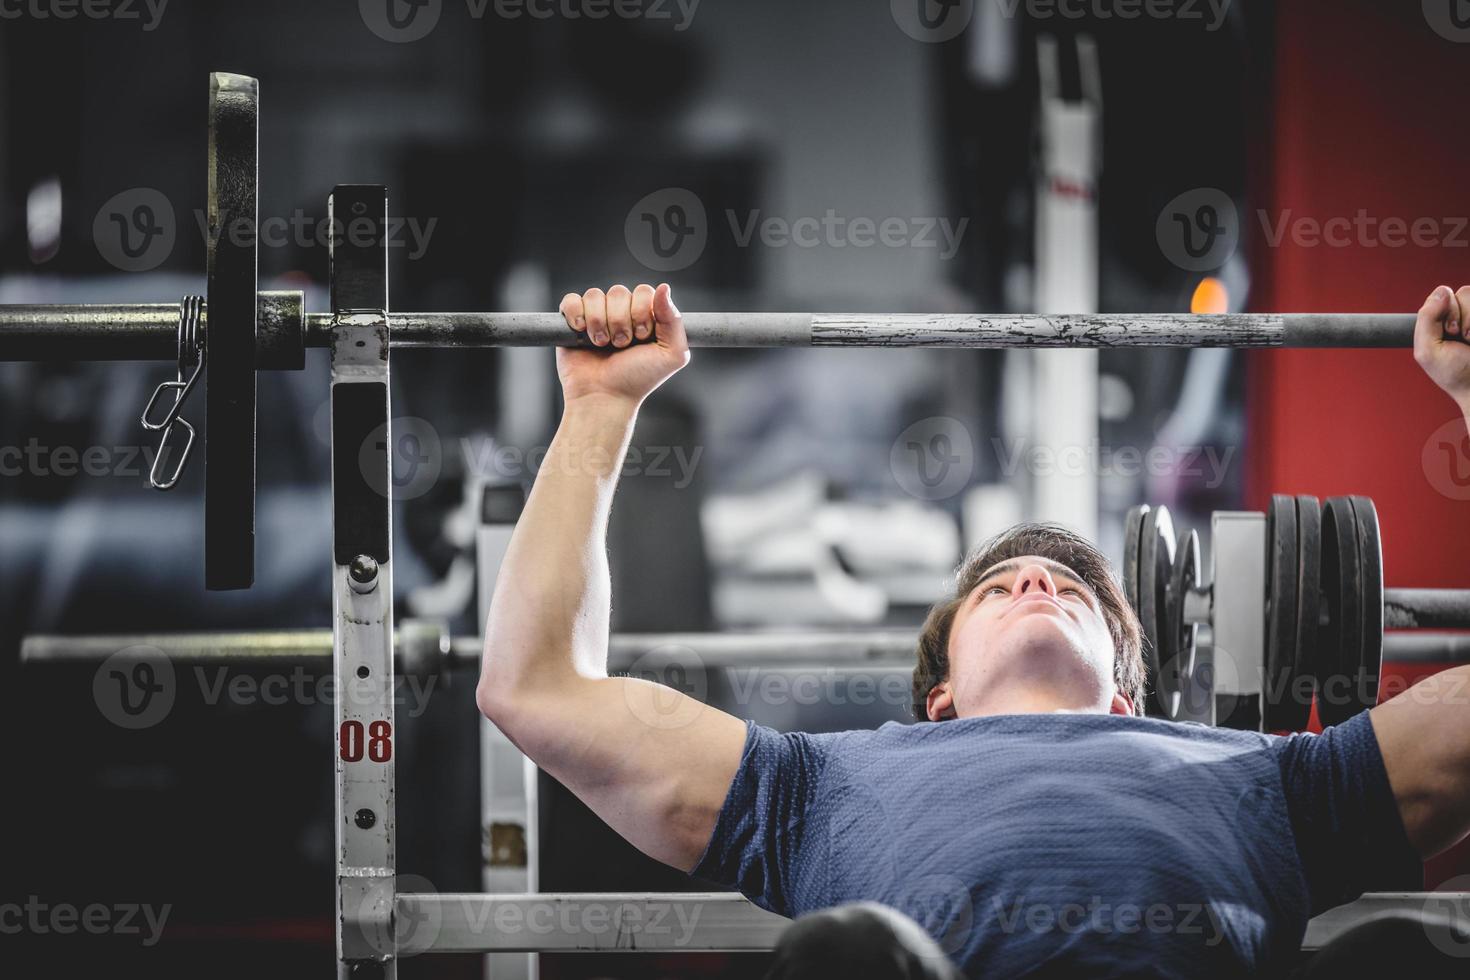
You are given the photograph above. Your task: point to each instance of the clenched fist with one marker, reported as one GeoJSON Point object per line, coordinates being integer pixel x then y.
{"type": "Point", "coordinates": [1442, 342]}
{"type": "Point", "coordinates": [613, 321]}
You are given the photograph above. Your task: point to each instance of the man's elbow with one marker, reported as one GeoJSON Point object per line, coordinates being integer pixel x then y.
{"type": "Point", "coordinates": [495, 694]}
{"type": "Point", "coordinates": [498, 697]}
{"type": "Point", "coordinates": [504, 670]}
{"type": "Point", "coordinates": [510, 718]}
{"type": "Point", "coordinates": [506, 690]}
{"type": "Point", "coordinates": [489, 699]}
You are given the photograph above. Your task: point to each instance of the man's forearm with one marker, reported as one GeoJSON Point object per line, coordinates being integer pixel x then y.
{"type": "Point", "coordinates": [549, 615]}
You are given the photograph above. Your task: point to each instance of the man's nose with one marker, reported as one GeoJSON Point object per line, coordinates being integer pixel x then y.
{"type": "Point", "coordinates": [1034, 577]}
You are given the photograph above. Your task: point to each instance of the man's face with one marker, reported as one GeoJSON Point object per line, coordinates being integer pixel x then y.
{"type": "Point", "coordinates": [1029, 638]}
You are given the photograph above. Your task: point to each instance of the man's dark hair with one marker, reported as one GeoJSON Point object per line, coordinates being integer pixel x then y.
{"type": "Point", "coordinates": [1064, 547]}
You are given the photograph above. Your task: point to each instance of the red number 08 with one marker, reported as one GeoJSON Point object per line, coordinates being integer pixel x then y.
{"type": "Point", "coordinates": [379, 741]}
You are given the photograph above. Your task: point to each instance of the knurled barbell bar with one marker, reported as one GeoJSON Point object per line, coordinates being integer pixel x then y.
{"type": "Point", "coordinates": [238, 330]}
{"type": "Point", "coordinates": [148, 331]}
{"type": "Point", "coordinates": [1324, 603]}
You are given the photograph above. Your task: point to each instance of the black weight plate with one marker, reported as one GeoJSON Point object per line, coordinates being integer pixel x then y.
{"type": "Point", "coordinates": [1132, 542]}
{"type": "Point", "coordinates": [1308, 607]}
{"type": "Point", "coordinates": [1341, 589]}
{"type": "Point", "coordinates": [1278, 708]}
{"type": "Point", "coordinates": [1182, 636]}
{"type": "Point", "coordinates": [1370, 562]}
{"type": "Point", "coordinates": [1155, 568]}
{"type": "Point", "coordinates": [229, 466]}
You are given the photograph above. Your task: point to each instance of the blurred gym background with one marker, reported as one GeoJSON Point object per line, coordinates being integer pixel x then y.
{"type": "Point", "coordinates": [1023, 160]}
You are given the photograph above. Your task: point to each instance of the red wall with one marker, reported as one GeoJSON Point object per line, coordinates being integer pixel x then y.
{"type": "Point", "coordinates": [1368, 113]}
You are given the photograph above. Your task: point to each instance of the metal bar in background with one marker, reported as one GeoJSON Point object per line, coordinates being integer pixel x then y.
{"type": "Point", "coordinates": [568, 922]}
{"type": "Point", "coordinates": [727, 922]}
{"type": "Point", "coordinates": [362, 591]}
{"type": "Point", "coordinates": [140, 332]}
{"type": "Point", "coordinates": [286, 647]}
{"type": "Point", "coordinates": [510, 824]}
{"type": "Point", "coordinates": [1447, 916]}
{"type": "Point", "coordinates": [887, 648]}
{"type": "Point", "coordinates": [626, 650]}
{"type": "Point", "coordinates": [1426, 609]}
{"type": "Point", "coordinates": [149, 331]}
{"type": "Point", "coordinates": [1061, 387]}
{"type": "Point", "coordinates": [1434, 648]}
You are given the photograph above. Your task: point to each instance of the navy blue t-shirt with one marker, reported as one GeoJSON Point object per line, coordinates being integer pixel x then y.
{"type": "Point", "coordinates": [1069, 845]}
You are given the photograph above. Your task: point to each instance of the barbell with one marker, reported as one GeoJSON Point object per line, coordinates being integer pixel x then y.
{"type": "Point", "coordinates": [238, 330]}
{"type": "Point", "coordinates": [1323, 609]}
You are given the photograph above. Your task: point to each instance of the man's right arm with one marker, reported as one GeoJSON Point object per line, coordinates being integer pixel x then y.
{"type": "Point", "coordinates": [650, 761]}
{"type": "Point", "coordinates": [1424, 733]}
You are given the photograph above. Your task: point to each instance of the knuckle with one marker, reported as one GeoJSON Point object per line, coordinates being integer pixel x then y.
{"type": "Point", "coordinates": [594, 295]}
{"type": "Point", "coordinates": [619, 290]}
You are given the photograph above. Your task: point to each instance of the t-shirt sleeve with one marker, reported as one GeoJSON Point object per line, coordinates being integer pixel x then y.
{"type": "Point", "coordinates": [1348, 830]}
{"type": "Point", "coordinates": [760, 825]}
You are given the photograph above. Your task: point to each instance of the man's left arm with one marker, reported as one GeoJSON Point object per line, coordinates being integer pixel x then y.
{"type": "Point", "coordinates": [1424, 736]}
{"type": "Point", "coordinates": [1424, 733]}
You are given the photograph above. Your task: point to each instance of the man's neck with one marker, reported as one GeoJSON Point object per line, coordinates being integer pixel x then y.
{"type": "Point", "coordinates": [1031, 702]}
